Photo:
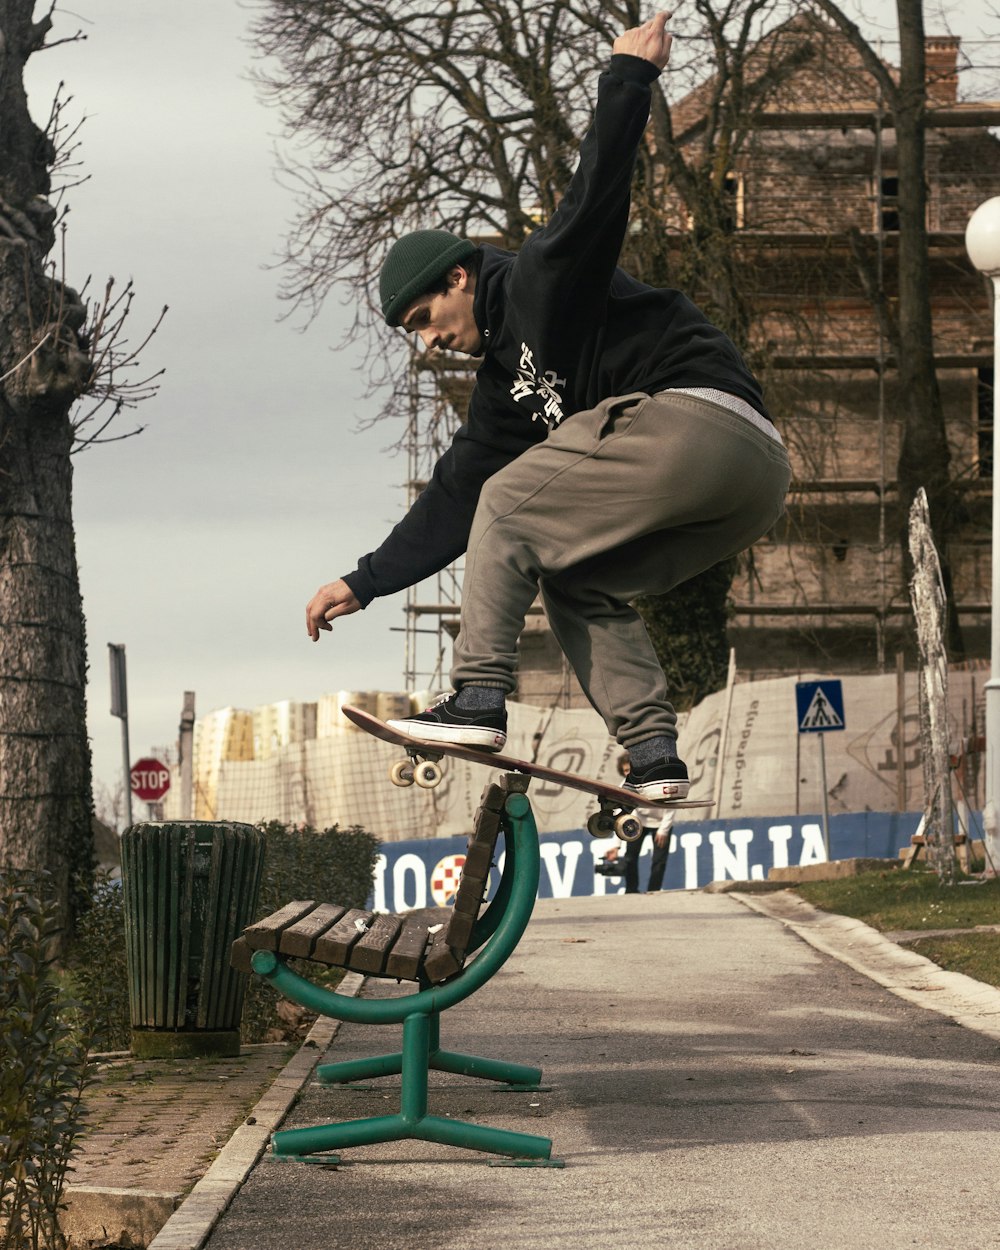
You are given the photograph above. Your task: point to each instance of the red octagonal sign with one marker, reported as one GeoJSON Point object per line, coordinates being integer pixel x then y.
{"type": "Point", "coordinates": [150, 780]}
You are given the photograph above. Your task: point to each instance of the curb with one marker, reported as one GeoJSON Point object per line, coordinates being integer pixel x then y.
{"type": "Point", "coordinates": [963, 999]}
{"type": "Point", "coordinates": [188, 1228]}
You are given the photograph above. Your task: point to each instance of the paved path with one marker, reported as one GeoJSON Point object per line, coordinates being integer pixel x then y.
{"type": "Point", "coordinates": [717, 1083]}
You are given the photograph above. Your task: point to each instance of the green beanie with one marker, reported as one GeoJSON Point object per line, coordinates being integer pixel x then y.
{"type": "Point", "coordinates": [414, 264]}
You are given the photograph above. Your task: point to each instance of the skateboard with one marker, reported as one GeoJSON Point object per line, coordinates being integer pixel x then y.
{"type": "Point", "coordinates": [421, 766]}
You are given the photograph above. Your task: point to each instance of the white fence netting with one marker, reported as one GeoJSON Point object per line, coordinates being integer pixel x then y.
{"type": "Point", "coordinates": [742, 747]}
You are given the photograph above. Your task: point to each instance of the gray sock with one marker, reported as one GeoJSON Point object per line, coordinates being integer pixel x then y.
{"type": "Point", "coordinates": [652, 751]}
{"type": "Point", "coordinates": [481, 699]}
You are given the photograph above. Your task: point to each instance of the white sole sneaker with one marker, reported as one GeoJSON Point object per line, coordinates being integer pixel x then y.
{"type": "Point", "coordinates": [455, 735]}
{"type": "Point", "coordinates": [658, 791]}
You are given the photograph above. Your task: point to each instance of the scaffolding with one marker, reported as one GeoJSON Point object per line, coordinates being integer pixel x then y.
{"type": "Point", "coordinates": [436, 383]}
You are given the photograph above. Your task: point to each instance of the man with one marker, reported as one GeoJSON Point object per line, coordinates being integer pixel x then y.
{"type": "Point", "coordinates": [616, 445]}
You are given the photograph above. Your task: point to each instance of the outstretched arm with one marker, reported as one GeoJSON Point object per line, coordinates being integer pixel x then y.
{"type": "Point", "coordinates": [649, 41]}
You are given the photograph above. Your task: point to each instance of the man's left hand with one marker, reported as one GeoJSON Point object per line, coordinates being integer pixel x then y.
{"type": "Point", "coordinates": [649, 41]}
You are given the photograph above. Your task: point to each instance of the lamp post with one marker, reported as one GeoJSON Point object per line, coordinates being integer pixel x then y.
{"type": "Point", "coordinates": [982, 241]}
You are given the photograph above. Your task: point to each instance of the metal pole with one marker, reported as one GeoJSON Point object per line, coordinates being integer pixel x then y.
{"type": "Point", "coordinates": [991, 813]}
{"type": "Point", "coordinates": [826, 805]}
{"type": "Point", "coordinates": [127, 766]}
{"type": "Point", "coordinates": [982, 241]}
{"type": "Point", "coordinates": [119, 708]}
{"type": "Point", "coordinates": [186, 753]}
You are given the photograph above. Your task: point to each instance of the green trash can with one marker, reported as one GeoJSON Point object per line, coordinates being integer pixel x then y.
{"type": "Point", "coordinates": [190, 889]}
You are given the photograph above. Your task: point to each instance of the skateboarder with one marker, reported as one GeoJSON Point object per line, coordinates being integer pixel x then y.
{"type": "Point", "coordinates": [616, 445]}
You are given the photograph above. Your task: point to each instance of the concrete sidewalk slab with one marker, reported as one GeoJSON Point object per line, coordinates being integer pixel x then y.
{"type": "Point", "coordinates": [716, 1083]}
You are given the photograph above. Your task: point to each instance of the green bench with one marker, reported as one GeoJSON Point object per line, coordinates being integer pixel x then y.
{"type": "Point", "coordinates": [449, 956]}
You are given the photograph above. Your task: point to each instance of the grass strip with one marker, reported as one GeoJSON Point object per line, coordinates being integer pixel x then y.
{"type": "Point", "coordinates": [975, 954]}
{"type": "Point", "coordinates": [912, 899]}
{"type": "Point", "coordinates": [895, 900]}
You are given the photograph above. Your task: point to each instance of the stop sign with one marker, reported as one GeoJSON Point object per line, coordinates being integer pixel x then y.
{"type": "Point", "coordinates": [150, 780]}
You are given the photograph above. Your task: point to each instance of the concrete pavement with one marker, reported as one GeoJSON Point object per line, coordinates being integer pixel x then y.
{"type": "Point", "coordinates": [716, 1082]}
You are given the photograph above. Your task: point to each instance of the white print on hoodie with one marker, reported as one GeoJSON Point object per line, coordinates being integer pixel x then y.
{"type": "Point", "coordinates": [546, 386]}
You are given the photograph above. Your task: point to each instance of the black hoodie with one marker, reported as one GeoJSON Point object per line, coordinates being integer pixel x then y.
{"type": "Point", "coordinates": [563, 329]}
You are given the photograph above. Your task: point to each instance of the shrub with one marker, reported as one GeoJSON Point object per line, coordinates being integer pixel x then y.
{"type": "Point", "coordinates": [43, 1067]}
{"type": "Point", "coordinates": [334, 865]}
{"type": "Point", "coordinates": [98, 967]}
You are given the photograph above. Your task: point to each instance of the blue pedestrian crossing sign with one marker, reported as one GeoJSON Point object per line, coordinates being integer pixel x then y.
{"type": "Point", "coordinates": [820, 705]}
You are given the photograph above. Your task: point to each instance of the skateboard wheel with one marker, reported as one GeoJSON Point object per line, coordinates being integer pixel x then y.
{"type": "Point", "coordinates": [628, 827]}
{"type": "Point", "coordinates": [427, 775]}
{"type": "Point", "coordinates": [401, 773]}
{"type": "Point", "coordinates": [600, 826]}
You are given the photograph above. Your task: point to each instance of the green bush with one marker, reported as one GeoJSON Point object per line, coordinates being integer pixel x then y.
{"type": "Point", "coordinates": [96, 961]}
{"type": "Point", "coordinates": [332, 866]}
{"type": "Point", "coordinates": [43, 1067]}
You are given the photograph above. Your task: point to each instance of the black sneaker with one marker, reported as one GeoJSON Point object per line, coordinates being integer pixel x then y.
{"type": "Point", "coordinates": [667, 779]}
{"type": "Point", "coordinates": [443, 722]}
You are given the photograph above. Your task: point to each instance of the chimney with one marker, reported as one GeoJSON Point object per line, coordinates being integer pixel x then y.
{"type": "Point", "coordinates": [941, 52]}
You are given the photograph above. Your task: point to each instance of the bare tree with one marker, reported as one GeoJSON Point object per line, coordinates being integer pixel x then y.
{"type": "Point", "coordinates": [469, 116]}
{"type": "Point", "coordinates": [55, 347]}
{"type": "Point", "coordinates": [924, 455]}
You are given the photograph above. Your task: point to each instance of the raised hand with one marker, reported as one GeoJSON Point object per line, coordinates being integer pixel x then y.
{"type": "Point", "coordinates": [649, 41]}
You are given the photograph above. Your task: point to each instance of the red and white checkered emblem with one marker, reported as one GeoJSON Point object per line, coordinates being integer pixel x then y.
{"type": "Point", "coordinates": [445, 877]}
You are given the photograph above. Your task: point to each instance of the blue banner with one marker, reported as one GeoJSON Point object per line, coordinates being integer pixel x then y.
{"type": "Point", "coordinates": [425, 872]}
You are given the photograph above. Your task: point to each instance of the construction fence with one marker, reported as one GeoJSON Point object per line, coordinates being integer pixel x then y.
{"type": "Point", "coordinates": [304, 763]}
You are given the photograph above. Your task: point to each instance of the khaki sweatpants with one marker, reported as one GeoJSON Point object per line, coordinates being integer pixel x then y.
{"type": "Point", "coordinates": [632, 497]}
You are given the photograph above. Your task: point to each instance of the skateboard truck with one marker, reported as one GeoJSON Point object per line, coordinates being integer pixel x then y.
{"type": "Point", "coordinates": [614, 821]}
{"type": "Point", "coordinates": [420, 768]}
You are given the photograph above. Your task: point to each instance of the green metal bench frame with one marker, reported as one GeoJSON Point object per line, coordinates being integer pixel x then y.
{"type": "Point", "coordinates": [495, 935]}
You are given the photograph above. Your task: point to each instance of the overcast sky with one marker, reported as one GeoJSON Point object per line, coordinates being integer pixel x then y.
{"type": "Point", "coordinates": [200, 541]}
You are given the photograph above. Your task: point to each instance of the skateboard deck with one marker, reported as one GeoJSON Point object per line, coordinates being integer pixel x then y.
{"type": "Point", "coordinates": [617, 804]}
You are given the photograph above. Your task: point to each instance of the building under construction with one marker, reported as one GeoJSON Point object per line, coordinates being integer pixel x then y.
{"type": "Point", "coordinates": [813, 224]}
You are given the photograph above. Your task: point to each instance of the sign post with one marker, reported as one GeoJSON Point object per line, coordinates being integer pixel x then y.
{"type": "Point", "coordinates": [820, 709]}
{"type": "Point", "coordinates": [119, 708]}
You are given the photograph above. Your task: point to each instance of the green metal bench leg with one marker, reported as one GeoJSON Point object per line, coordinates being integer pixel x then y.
{"type": "Point", "coordinates": [360, 1069]}
{"type": "Point", "coordinates": [486, 1069]}
{"type": "Point", "coordinates": [412, 1120]}
{"type": "Point", "coordinates": [438, 1061]}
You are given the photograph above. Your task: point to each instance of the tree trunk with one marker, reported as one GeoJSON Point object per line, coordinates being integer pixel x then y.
{"type": "Point", "coordinates": [45, 782]}
{"type": "Point", "coordinates": [924, 456]}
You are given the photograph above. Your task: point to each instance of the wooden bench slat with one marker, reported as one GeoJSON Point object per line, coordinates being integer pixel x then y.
{"type": "Point", "coordinates": [494, 797]}
{"type": "Point", "coordinates": [440, 961]}
{"type": "Point", "coordinates": [470, 893]}
{"type": "Point", "coordinates": [334, 946]}
{"type": "Point", "coordinates": [264, 935]}
{"type": "Point", "coordinates": [459, 931]}
{"type": "Point", "coordinates": [403, 960]}
{"type": "Point", "coordinates": [371, 951]}
{"type": "Point", "coordinates": [475, 879]}
{"type": "Point", "coordinates": [299, 941]}
{"type": "Point", "coordinates": [240, 954]}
